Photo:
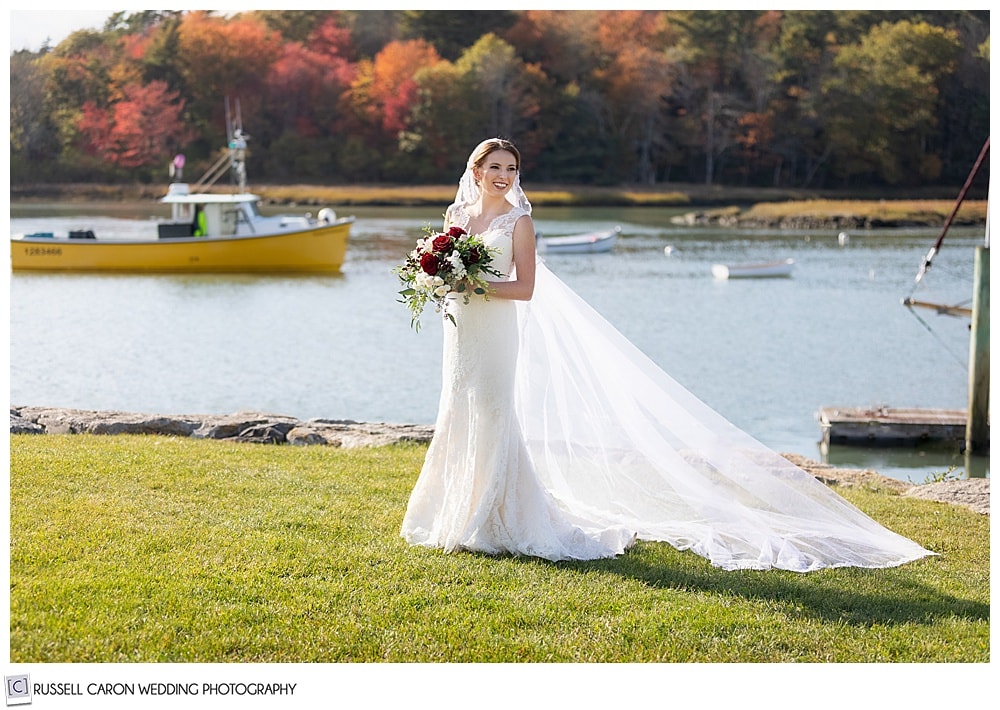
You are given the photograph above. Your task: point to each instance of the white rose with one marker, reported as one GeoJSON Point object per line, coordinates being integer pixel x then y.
{"type": "Point", "coordinates": [457, 267]}
{"type": "Point", "coordinates": [442, 291]}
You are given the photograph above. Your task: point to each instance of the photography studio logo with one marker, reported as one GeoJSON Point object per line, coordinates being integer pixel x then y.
{"type": "Point", "coordinates": [18, 689]}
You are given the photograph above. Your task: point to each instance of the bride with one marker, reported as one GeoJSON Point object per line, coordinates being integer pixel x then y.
{"type": "Point", "coordinates": [557, 438]}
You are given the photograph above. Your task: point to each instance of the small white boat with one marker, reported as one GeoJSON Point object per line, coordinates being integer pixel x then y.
{"type": "Point", "coordinates": [770, 269]}
{"type": "Point", "coordinates": [589, 243]}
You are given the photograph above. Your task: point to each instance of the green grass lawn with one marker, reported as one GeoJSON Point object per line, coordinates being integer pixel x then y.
{"type": "Point", "coordinates": [155, 549]}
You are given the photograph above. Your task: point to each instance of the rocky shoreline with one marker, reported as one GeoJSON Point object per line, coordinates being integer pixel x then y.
{"type": "Point", "coordinates": [250, 427]}
{"type": "Point", "coordinates": [263, 428]}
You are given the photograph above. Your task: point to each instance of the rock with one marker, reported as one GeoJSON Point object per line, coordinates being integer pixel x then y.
{"type": "Point", "coordinates": [973, 493]}
{"type": "Point", "coordinates": [350, 434]}
{"type": "Point", "coordinates": [850, 477]}
{"type": "Point", "coordinates": [20, 425]}
{"type": "Point", "coordinates": [250, 427]}
{"type": "Point", "coordinates": [268, 433]}
{"type": "Point", "coordinates": [305, 436]}
{"type": "Point", "coordinates": [233, 426]}
{"type": "Point", "coordinates": [80, 421]}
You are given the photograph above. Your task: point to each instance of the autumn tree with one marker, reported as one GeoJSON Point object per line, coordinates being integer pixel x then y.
{"type": "Point", "coordinates": [803, 98]}
{"type": "Point", "coordinates": [294, 25]}
{"type": "Point", "coordinates": [509, 98]}
{"type": "Point", "coordinates": [805, 48]}
{"type": "Point", "coordinates": [383, 94]}
{"type": "Point", "coordinates": [443, 123]}
{"type": "Point", "coordinates": [33, 136]}
{"type": "Point", "coordinates": [78, 71]}
{"type": "Point", "coordinates": [489, 91]}
{"type": "Point", "coordinates": [634, 80]}
{"type": "Point", "coordinates": [157, 49]}
{"type": "Point", "coordinates": [453, 31]}
{"type": "Point", "coordinates": [371, 30]}
{"type": "Point", "coordinates": [565, 42]}
{"type": "Point", "coordinates": [219, 57]}
{"type": "Point", "coordinates": [714, 46]}
{"type": "Point", "coordinates": [757, 128]}
{"type": "Point", "coordinates": [143, 128]}
{"type": "Point", "coordinates": [963, 114]}
{"type": "Point", "coordinates": [296, 128]}
{"type": "Point", "coordinates": [882, 101]}
{"type": "Point", "coordinates": [566, 45]}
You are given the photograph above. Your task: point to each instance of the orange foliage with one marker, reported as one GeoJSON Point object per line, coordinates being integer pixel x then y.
{"type": "Point", "coordinates": [393, 88]}
{"type": "Point", "coordinates": [620, 30]}
{"type": "Point", "coordinates": [225, 57]}
{"type": "Point", "coordinates": [565, 42]}
{"type": "Point", "coordinates": [135, 46]}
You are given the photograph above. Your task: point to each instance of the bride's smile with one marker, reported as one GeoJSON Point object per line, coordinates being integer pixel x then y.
{"type": "Point", "coordinates": [498, 173]}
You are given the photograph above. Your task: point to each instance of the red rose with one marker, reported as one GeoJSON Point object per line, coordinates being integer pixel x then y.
{"type": "Point", "coordinates": [456, 232]}
{"type": "Point", "coordinates": [442, 242]}
{"type": "Point", "coordinates": [474, 255]}
{"type": "Point", "coordinates": [429, 263]}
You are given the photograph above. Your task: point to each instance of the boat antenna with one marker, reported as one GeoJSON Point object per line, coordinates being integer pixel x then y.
{"type": "Point", "coordinates": [236, 140]}
{"type": "Point", "coordinates": [926, 264]}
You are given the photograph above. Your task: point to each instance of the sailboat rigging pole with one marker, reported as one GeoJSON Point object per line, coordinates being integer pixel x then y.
{"type": "Point", "coordinates": [958, 203]}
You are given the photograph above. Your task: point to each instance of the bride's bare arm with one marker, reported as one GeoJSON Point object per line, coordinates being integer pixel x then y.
{"type": "Point", "coordinates": [522, 286]}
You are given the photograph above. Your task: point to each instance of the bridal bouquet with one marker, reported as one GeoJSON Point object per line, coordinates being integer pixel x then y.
{"type": "Point", "coordinates": [444, 263]}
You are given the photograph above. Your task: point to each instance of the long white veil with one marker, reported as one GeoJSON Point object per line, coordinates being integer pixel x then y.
{"type": "Point", "coordinates": [620, 442]}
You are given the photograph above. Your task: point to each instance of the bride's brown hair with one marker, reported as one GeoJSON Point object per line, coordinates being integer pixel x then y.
{"type": "Point", "coordinates": [483, 150]}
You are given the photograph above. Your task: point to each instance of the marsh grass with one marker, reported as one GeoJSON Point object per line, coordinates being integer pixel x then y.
{"type": "Point", "coordinates": [762, 205]}
{"type": "Point", "coordinates": [929, 212]}
{"type": "Point", "coordinates": [750, 202]}
{"type": "Point", "coordinates": [155, 549]}
{"type": "Point", "coordinates": [443, 194]}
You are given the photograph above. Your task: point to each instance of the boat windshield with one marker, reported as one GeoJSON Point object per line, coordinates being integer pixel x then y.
{"type": "Point", "coordinates": [253, 209]}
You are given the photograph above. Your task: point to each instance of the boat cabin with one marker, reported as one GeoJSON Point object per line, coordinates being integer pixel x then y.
{"type": "Point", "coordinates": [203, 214]}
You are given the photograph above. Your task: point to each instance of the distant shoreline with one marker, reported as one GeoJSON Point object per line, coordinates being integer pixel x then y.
{"type": "Point", "coordinates": [694, 204]}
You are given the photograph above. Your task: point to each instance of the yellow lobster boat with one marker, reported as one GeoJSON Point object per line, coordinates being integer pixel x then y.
{"type": "Point", "coordinates": [206, 233]}
{"type": "Point", "coordinates": [237, 239]}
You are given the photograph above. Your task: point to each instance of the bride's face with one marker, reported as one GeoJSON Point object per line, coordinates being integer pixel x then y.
{"type": "Point", "coordinates": [497, 173]}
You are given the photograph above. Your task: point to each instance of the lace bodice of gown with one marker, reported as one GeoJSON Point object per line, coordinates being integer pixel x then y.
{"type": "Point", "coordinates": [478, 489]}
{"type": "Point", "coordinates": [499, 235]}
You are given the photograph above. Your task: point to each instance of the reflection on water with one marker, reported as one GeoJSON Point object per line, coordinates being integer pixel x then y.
{"type": "Point", "coordinates": [917, 465]}
{"type": "Point", "coordinates": [766, 354]}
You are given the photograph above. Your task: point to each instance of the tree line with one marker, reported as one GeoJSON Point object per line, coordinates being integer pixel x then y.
{"type": "Point", "coordinates": [808, 98]}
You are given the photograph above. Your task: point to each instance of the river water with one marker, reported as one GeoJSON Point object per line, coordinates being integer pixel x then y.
{"type": "Point", "coordinates": [765, 353]}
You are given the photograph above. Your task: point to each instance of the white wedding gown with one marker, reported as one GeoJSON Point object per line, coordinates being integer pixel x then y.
{"type": "Point", "coordinates": [557, 438]}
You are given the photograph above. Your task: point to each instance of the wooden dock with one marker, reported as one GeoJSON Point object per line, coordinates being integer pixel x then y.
{"type": "Point", "coordinates": [884, 426]}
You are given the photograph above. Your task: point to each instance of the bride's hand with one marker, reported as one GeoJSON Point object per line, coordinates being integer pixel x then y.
{"type": "Point", "coordinates": [467, 288]}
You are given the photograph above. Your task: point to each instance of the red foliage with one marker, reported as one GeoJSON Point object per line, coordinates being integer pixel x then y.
{"type": "Point", "coordinates": [143, 128]}
{"type": "Point", "coordinates": [305, 85]}
{"type": "Point", "coordinates": [331, 40]}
